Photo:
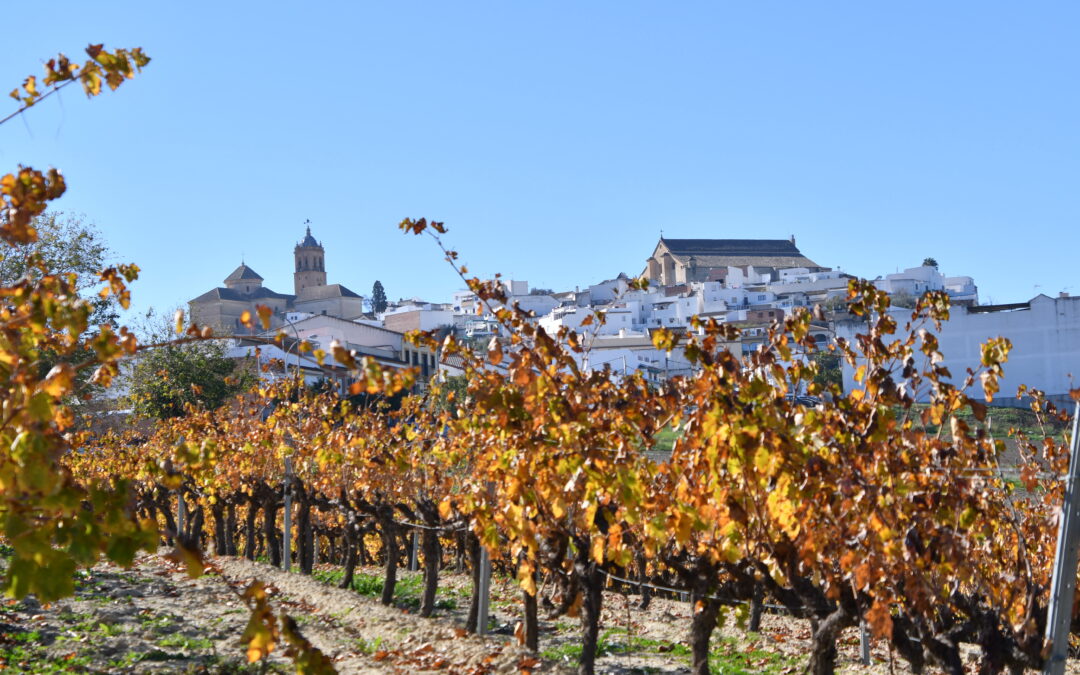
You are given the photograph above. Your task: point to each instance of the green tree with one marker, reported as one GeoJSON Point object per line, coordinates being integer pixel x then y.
{"type": "Point", "coordinates": [378, 297]}
{"type": "Point", "coordinates": [829, 371]}
{"type": "Point", "coordinates": [166, 380]}
{"type": "Point", "coordinates": [835, 303]}
{"type": "Point", "coordinates": [66, 244]}
{"type": "Point", "coordinates": [930, 262]}
{"type": "Point", "coordinates": [162, 381]}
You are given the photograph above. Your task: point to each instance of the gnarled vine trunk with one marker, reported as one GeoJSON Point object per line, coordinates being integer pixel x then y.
{"type": "Point", "coordinates": [273, 544]}
{"type": "Point", "coordinates": [591, 580]}
{"type": "Point", "coordinates": [701, 629]}
{"type": "Point", "coordinates": [389, 530]}
{"type": "Point", "coordinates": [250, 529]}
{"type": "Point", "coordinates": [218, 513]}
{"type": "Point", "coordinates": [473, 548]}
{"type": "Point", "coordinates": [825, 632]}
{"type": "Point", "coordinates": [230, 529]}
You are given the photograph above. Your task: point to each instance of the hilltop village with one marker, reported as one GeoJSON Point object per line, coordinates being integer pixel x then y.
{"type": "Point", "coordinates": [746, 282]}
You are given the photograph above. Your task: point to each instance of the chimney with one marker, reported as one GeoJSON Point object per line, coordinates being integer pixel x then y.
{"type": "Point", "coordinates": [792, 240]}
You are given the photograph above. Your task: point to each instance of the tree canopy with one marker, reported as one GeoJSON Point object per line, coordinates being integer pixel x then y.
{"type": "Point", "coordinates": [164, 380]}
{"type": "Point", "coordinates": [65, 244]}
{"type": "Point", "coordinates": [378, 297]}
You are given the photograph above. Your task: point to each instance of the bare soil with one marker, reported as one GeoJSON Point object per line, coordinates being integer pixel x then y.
{"type": "Point", "coordinates": [153, 618]}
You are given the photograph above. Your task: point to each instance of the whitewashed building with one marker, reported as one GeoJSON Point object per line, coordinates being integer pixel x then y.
{"type": "Point", "coordinates": [1045, 335]}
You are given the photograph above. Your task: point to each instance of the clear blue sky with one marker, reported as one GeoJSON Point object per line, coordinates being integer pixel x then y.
{"type": "Point", "coordinates": [556, 139]}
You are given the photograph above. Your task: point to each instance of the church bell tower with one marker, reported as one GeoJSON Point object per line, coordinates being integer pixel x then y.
{"type": "Point", "coordinates": [310, 266]}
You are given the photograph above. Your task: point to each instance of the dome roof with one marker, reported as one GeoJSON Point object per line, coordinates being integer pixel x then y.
{"type": "Point", "coordinates": [309, 240]}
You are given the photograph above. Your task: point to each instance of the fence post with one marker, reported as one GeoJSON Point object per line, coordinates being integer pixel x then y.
{"type": "Point", "coordinates": [1063, 586]}
{"type": "Point", "coordinates": [181, 516]}
{"type": "Point", "coordinates": [864, 643]}
{"type": "Point", "coordinates": [485, 592]}
{"type": "Point", "coordinates": [286, 541]}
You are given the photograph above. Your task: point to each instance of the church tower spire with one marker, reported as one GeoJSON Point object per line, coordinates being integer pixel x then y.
{"type": "Point", "coordinates": [310, 263]}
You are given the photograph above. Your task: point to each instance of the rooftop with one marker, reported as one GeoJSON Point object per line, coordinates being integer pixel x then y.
{"type": "Point", "coordinates": [243, 272]}
{"type": "Point", "coordinates": [775, 253]}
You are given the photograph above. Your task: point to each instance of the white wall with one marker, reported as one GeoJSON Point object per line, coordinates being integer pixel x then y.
{"type": "Point", "coordinates": [1045, 339]}
{"type": "Point", "coordinates": [571, 317]}
{"type": "Point", "coordinates": [539, 304]}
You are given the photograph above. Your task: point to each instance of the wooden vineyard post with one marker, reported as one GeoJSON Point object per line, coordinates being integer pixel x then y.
{"type": "Point", "coordinates": [483, 605]}
{"type": "Point", "coordinates": [181, 517]}
{"type": "Point", "coordinates": [413, 553]}
{"type": "Point", "coordinates": [286, 543]}
{"type": "Point", "coordinates": [1063, 585]}
{"type": "Point", "coordinates": [864, 643]}
{"type": "Point", "coordinates": [484, 590]}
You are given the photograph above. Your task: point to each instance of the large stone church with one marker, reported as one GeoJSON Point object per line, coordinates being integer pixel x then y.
{"type": "Point", "coordinates": [221, 308]}
{"type": "Point", "coordinates": [678, 261]}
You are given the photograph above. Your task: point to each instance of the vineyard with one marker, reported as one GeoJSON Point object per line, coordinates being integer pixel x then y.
{"type": "Point", "coordinates": [861, 509]}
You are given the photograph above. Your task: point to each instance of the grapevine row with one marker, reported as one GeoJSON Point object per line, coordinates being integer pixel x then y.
{"type": "Point", "coordinates": [848, 511]}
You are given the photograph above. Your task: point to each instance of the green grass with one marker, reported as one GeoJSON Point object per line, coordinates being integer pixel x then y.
{"type": "Point", "coordinates": [188, 644]}
{"type": "Point", "coordinates": [1002, 419]}
{"type": "Point", "coordinates": [92, 626]}
{"type": "Point", "coordinates": [365, 646]}
{"type": "Point", "coordinates": [159, 623]}
{"type": "Point", "coordinates": [665, 439]}
{"type": "Point", "coordinates": [23, 653]}
{"type": "Point", "coordinates": [727, 657]}
{"type": "Point", "coordinates": [131, 658]}
{"type": "Point", "coordinates": [408, 591]}
{"type": "Point", "coordinates": [615, 641]}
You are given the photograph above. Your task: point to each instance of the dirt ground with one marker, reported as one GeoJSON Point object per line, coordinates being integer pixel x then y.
{"type": "Point", "coordinates": [153, 618]}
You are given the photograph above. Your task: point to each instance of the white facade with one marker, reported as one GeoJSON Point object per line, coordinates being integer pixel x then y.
{"type": "Point", "coordinates": [616, 319]}
{"type": "Point", "coordinates": [268, 353]}
{"type": "Point", "coordinates": [609, 290]}
{"type": "Point", "coordinates": [918, 280]}
{"type": "Point", "coordinates": [1045, 335]}
{"type": "Point", "coordinates": [513, 287]}
{"type": "Point", "coordinates": [537, 304]}
{"type": "Point", "coordinates": [737, 277]}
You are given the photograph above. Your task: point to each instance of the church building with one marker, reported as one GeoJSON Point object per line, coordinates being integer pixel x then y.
{"type": "Point", "coordinates": [221, 308]}
{"type": "Point", "coordinates": [678, 261]}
